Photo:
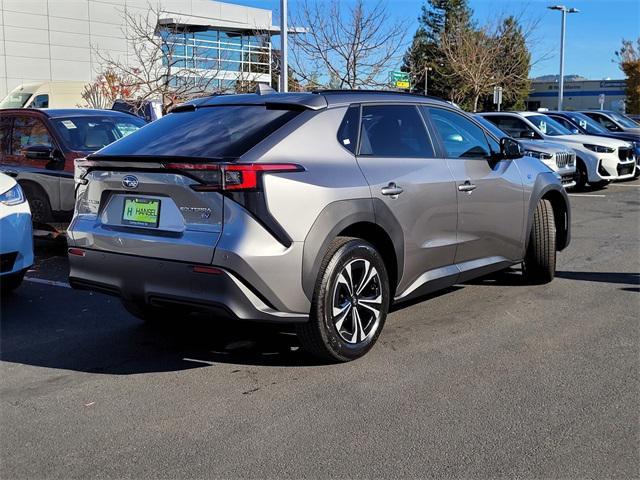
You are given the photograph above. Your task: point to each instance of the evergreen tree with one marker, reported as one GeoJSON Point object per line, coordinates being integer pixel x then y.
{"type": "Point", "coordinates": [424, 51]}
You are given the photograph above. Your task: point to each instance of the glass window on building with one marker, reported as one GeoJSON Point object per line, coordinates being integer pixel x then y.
{"type": "Point", "coordinates": [216, 50]}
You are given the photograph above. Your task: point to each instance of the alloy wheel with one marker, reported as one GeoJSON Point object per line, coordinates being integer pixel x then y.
{"type": "Point", "coordinates": [357, 301]}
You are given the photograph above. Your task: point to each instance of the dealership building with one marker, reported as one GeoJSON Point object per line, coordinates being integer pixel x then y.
{"type": "Point", "coordinates": [64, 40]}
{"type": "Point", "coordinates": [578, 95]}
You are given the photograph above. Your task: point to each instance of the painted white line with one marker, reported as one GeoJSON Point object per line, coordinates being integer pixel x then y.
{"type": "Point", "coordinates": [585, 195]}
{"type": "Point", "coordinates": [621, 185]}
{"type": "Point", "coordinates": [195, 360]}
{"type": "Point", "coordinates": [47, 282]}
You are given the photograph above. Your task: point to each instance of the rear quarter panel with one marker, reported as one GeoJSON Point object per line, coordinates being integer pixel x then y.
{"type": "Point", "coordinates": [331, 171]}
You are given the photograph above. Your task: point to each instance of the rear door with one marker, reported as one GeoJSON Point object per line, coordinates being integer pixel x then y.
{"type": "Point", "coordinates": [490, 195]}
{"type": "Point", "coordinates": [409, 182]}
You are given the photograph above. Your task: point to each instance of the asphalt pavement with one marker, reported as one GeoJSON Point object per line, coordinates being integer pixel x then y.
{"type": "Point", "coordinates": [488, 379]}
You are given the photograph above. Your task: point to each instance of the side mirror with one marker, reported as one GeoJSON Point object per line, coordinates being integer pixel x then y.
{"type": "Point", "coordinates": [38, 152]}
{"type": "Point", "coordinates": [528, 134]}
{"type": "Point", "coordinates": [510, 149]}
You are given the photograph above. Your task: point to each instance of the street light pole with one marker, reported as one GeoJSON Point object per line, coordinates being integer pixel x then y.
{"type": "Point", "coordinates": [564, 10]}
{"type": "Point", "coordinates": [284, 46]}
{"type": "Point", "coordinates": [426, 79]}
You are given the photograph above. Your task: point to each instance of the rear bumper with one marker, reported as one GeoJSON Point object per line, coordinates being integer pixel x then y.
{"type": "Point", "coordinates": [164, 282]}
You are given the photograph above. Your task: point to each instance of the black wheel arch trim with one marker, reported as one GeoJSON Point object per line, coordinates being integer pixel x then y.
{"type": "Point", "coordinates": [546, 186]}
{"type": "Point", "coordinates": [338, 216]}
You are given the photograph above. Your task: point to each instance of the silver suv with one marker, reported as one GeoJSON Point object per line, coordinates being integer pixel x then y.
{"type": "Point", "coordinates": [318, 209]}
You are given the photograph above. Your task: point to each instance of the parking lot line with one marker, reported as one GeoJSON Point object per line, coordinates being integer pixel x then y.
{"type": "Point", "coordinates": [47, 282]}
{"type": "Point", "coordinates": [585, 195]}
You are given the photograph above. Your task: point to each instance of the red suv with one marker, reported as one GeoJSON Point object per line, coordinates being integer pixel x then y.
{"type": "Point", "coordinates": [38, 148]}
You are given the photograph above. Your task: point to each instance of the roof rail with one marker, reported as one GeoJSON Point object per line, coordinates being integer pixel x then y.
{"type": "Point", "coordinates": [388, 92]}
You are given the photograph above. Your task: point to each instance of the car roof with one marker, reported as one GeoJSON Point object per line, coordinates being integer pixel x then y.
{"type": "Point", "coordinates": [67, 112]}
{"type": "Point", "coordinates": [520, 114]}
{"type": "Point", "coordinates": [312, 100]}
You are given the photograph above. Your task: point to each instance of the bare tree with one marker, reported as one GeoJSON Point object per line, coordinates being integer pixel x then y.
{"type": "Point", "coordinates": [160, 64]}
{"type": "Point", "coordinates": [350, 44]}
{"type": "Point", "coordinates": [476, 58]}
{"type": "Point", "coordinates": [107, 88]}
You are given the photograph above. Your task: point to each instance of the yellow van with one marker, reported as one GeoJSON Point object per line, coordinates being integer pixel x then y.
{"type": "Point", "coordinates": [46, 95]}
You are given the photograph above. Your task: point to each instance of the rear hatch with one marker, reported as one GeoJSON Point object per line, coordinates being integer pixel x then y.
{"type": "Point", "coordinates": [160, 191]}
{"type": "Point", "coordinates": [147, 213]}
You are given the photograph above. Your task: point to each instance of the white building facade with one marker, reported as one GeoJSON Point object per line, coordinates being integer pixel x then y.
{"type": "Point", "coordinates": [578, 95]}
{"type": "Point", "coordinates": [59, 40]}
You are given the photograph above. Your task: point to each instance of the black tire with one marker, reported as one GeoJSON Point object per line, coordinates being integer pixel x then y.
{"type": "Point", "coordinates": [149, 313]}
{"type": "Point", "coordinates": [38, 203]}
{"type": "Point", "coordinates": [581, 175]}
{"type": "Point", "coordinates": [636, 174]}
{"type": "Point", "coordinates": [540, 260]}
{"type": "Point", "coordinates": [327, 340]}
{"type": "Point", "coordinates": [8, 283]}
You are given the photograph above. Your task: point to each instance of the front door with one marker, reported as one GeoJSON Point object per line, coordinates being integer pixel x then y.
{"type": "Point", "coordinates": [490, 195]}
{"type": "Point", "coordinates": [409, 183]}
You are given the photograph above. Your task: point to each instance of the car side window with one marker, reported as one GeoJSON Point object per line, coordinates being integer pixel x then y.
{"type": "Point", "coordinates": [604, 121]}
{"type": "Point", "coordinates": [27, 132]}
{"type": "Point", "coordinates": [41, 101]}
{"type": "Point", "coordinates": [394, 131]}
{"type": "Point", "coordinates": [515, 127]}
{"type": "Point", "coordinates": [348, 131]}
{"type": "Point", "coordinates": [566, 124]}
{"type": "Point", "coordinates": [460, 136]}
{"type": "Point", "coordinates": [5, 132]}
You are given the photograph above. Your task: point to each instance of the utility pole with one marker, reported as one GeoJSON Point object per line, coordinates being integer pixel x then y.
{"type": "Point", "coordinates": [284, 47]}
{"type": "Point", "coordinates": [564, 11]}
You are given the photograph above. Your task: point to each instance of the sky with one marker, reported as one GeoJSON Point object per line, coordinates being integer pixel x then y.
{"type": "Point", "coordinates": [593, 34]}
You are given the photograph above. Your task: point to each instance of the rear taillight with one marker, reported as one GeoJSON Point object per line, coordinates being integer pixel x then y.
{"type": "Point", "coordinates": [230, 177]}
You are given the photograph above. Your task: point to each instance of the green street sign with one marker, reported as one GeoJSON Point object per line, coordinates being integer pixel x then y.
{"type": "Point", "coordinates": [400, 80]}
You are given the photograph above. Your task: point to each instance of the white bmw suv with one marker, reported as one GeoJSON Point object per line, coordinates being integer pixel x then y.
{"type": "Point", "coordinates": [599, 160]}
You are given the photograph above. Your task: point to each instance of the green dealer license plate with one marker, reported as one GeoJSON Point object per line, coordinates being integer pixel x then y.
{"type": "Point", "coordinates": [141, 212]}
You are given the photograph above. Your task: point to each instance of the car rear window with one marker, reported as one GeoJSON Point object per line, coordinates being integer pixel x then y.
{"type": "Point", "coordinates": [208, 132]}
{"type": "Point", "coordinates": [91, 133]}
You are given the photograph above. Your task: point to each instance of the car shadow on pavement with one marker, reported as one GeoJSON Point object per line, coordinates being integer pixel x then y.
{"type": "Point", "coordinates": [514, 277]}
{"type": "Point", "coordinates": [604, 277]}
{"type": "Point", "coordinates": [49, 327]}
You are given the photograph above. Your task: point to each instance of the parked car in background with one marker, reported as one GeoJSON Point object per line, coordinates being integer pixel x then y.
{"type": "Point", "coordinates": [38, 148]}
{"type": "Point", "coordinates": [46, 95]}
{"type": "Point", "coordinates": [16, 242]}
{"type": "Point", "coordinates": [316, 209]}
{"type": "Point", "coordinates": [149, 110]}
{"type": "Point", "coordinates": [599, 160]}
{"type": "Point", "coordinates": [580, 123]}
{"type": "Point", "coordinates": [614, 121]}
{"type": "Point", "coordinates": [557, 157]}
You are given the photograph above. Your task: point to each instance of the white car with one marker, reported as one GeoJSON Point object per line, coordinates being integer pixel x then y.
{"type": "Point", "coordinates": [599, 160]}
{"type": "Point", "coordinates": [557, 157]}
{"type": "Point", "coordinates": [16, 241]}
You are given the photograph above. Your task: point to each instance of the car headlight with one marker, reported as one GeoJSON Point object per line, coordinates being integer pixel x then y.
{"type": "Point", "coordinates": [13, 196]}
{"type": "Point", "coordinates": [538, 155]}
{"type": "Point", "coordinates": [599, 148]}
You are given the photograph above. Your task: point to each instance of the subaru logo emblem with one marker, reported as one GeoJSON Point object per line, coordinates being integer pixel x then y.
{"type": "Point", "coordinates": [129, 181]}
